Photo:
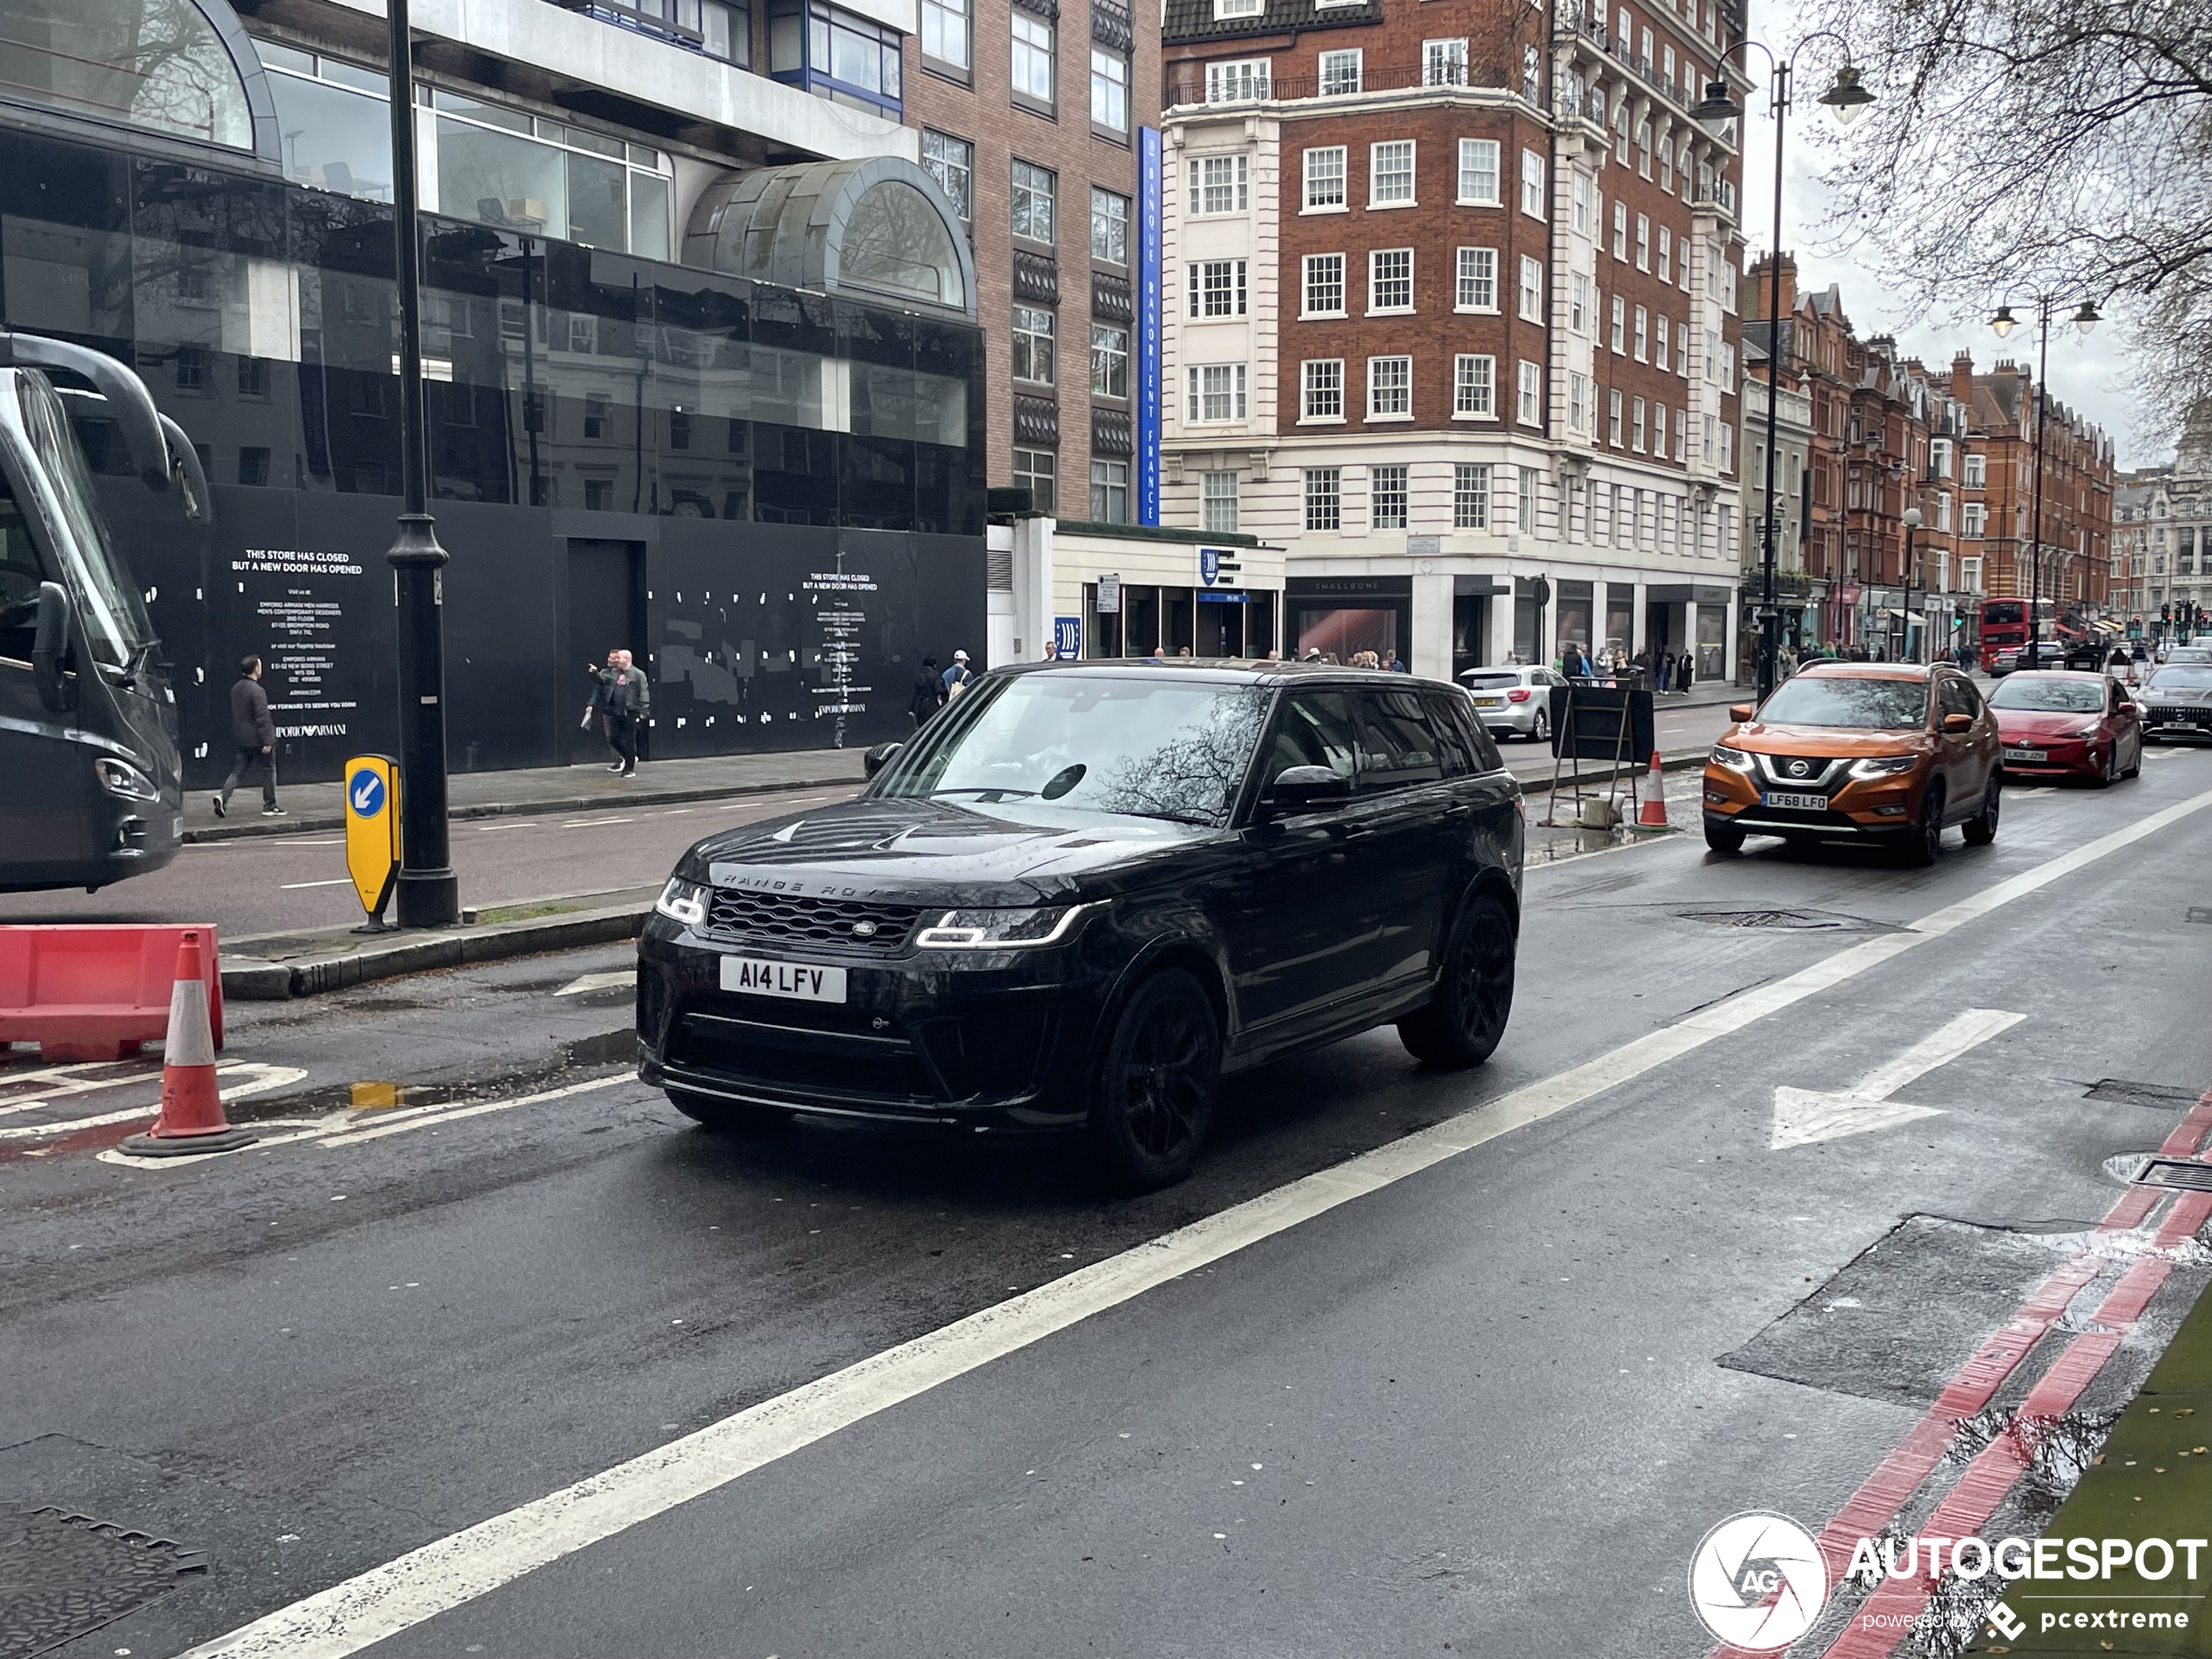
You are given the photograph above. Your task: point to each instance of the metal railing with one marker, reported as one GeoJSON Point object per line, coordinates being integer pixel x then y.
{"type": "Point", "coordinates": [1186, 84]}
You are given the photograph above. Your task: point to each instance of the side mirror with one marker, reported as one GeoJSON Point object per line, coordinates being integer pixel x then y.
{"type": "Point", "coordinates": [1301, 789]}
{"type": "Point", "coordinates": [1740, 712]}
{"type": "Point", "coordinates": [1956, 723]}
{"type": "Point", "coordinates": [878, 758]}
{"type": "Point", "coordinates": [50, 647]}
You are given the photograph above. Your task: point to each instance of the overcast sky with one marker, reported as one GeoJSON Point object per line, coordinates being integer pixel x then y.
{"type": "Point", "coordinates": [2088, 376]}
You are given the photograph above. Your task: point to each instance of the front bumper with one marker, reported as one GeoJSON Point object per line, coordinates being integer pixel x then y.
{"type": "Point", "coordinates": [1862, 809]}
{"type": "Point", "coordinates": [990, 1041]}
{"type": "Point", "coordinates": [2186, 722]}
{"type": "Point", "coordinates": [2062, 757]}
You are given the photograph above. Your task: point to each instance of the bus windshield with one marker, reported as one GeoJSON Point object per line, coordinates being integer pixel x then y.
{"type": "Point", "coordinates": [112, 613]}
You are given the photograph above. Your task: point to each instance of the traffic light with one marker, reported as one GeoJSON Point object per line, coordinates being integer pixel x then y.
{"type": "Point", "coordinates": [2166, 613]}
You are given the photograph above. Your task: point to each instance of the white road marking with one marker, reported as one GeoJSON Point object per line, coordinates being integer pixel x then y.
{"type": "Point", "coordinates": [334, 841]}
{"type": "Point", "coordinates": [594, 823]}
{"type": "Point", "coordinates": [294, 886]}
{"type": "Point", "coordinates": [433, 1116]}
{"type": "Point", "coordinates": [263, 1078]}
{"type": "Point", "coordinates": [462, 1565]}
{"type": "Point", "coordinates": [1803, 1117]}
{"type": "Point", "coordinates": [113, 1155]}
{"type": "Point", "coordinates": [605, 981]}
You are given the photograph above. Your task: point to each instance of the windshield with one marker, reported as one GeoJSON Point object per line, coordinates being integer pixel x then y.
{"type": "Point", "coordinates": [113, 615]}
{"type": "Point", "coordinates": [2060, 697]}
{"type": "Point", "coordinates": [1128, 742]}
{"type": "Point", "coordinates": [2191, 654]}
{"type": "Point", "coordinates": [1840, 699]}
{"type": "Point", "coordinates": [2191, 678]}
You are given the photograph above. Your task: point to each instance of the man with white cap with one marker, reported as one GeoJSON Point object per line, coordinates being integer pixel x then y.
{"type": "Point", "coordinates": [957, 676]}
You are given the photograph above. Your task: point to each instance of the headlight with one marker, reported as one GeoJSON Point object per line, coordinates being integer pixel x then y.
{"type": "Point", "coordinates": [684, 901]}
{"type": "Point", "coordinates": [999, 929]}
{"type": "Point", "coordinates": [2088, 730]}
{"type": "Point", "coordinates": [1734, 760]}
{"type": "Point", "coordinates": [1884, 765]}
{"type": "Point", "coordinates": [120, 778]}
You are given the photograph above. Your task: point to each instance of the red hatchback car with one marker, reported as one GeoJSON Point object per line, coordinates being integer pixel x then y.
{"type": "Point", "coordinates": [2068, 725]}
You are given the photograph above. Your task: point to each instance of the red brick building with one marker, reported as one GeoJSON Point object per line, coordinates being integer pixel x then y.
{"type": "Point", "coordinates": [1451, 290]}
{"type": "Point", "coordinates": [2078, 478]}
{"type": "Point", "coordinates": [1029, 111]}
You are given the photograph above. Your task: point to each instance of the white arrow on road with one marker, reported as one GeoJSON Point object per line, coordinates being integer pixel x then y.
{"type": "Point", "coordinates": [606, 981]}
{"type": "Point", "coordinates": [1804, 1115]}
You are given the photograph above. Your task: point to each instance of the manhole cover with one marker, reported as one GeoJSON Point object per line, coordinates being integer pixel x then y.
{"type": "Point", "coordinates": [1792, 919]}
{"type": "Point", "coordinates": [2177, 1172]}
{"type": "Point", "coordinates": [62, 1575]}
{"type": "Point", "coordinates": [2141, 1094]}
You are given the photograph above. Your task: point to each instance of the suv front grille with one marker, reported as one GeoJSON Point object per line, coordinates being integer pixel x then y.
{"type": "Point", "coordinates": [794, 918]}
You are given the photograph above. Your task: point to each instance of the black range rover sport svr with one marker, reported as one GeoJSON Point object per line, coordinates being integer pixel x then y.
{"type": "Point", "coordinates": [1085, 891]}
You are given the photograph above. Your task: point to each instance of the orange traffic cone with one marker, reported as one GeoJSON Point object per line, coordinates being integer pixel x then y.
{"type": "Point", "coordinates": [1652, 814]}
{"type": "Point", "coordinates": [192, 1119]}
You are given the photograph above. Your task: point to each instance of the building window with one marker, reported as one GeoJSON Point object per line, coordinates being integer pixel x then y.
{"type": "Point", "coordinates": [1578, 401]}
{"type": "Point", "coordinates": [1323, 382]}
{"type": "Point", "coordinates": [1386, 498]}
{"type": "Point", "coordinates": [1444, 63]}
{"type": "Point", "coordinates": [1470, 496]}
{"type": "Point", "coordinates": [253, 464]}
{"type": "Point", "coordinates": [1217, 501]}
{"type": "Point", "coordinates": [1532, 289]}
{"type": "Point", "coordinates": [1216, 391]}
{"type": "Point", "coordinates": [1659, 430]}
{"type": "Point", "coordinates": [1389, 280]}
{"type": "Point", "coordinates": [1529, 409]}
{"type": "Point", "coordinates": [1108, 360]}
{"type": "Point", "coordinates": [1235, 83]}
{"type": "Point", "coordinates": [1390, 387]}
{"type": "Point", "coordinates": [1390, 172]}
{"type": "Point", "coordinates": [1532, 184]}
{"type": "Point", "coordinates": [1035, 349]}
{"type": "Point", "coordinates": [539, 178]}
{"type": "Point", "coordinates": [1478, 280]}
{"type": "Point", "coordinates": [835, 54]}
{"type": "Point", "coordinates": [1619, 331]}
{"type": "Point", "coordinates": [1659, 356]}
{"type": "Point", "coordinates": [1031, 67]}
{"type": "Point", "coordinates": [1221, 184]}
{"type": "Point", "coordinates": [1578, 303]}
{"type": "Point", "coordinates": [1620, 230]}
{"type": "Point", "coordinates": [1527, 504]}
{"type": "Point", "coordinates": [1324, 498]}
{"type": "Point", "coordinates": [1339, 73]}
{"type": "Point", "coordinates": [1643, 335]}
{"type": "Point", "coordinates": [1110, 492]}
{"type": "Point", "coordinates": [1667, 165]}
{"type": "Point", "coordinates": [253, 377]}
{"type": "Point", "coordinates": [1581, 211]}
{"type": "Point", "coordinates": [1474, 385]}
{"type": "Point", "coordinates": [1224, 10]}
{"type": "Point", "coordinates": [1325, 176]}
{"type": "Point", "coordinates": [945, 36]}
{"type": "Point", "coordinates": [1666, 254]}
{"type": "Point", "coordinates": [1974, 516]}
{"type": "Point", "coordinates": [1643, 242]}
{"type": "Point", "coordinates": [1109, 92]}
{"type": "Point", "coordinates": [1038, 472]}
{"type": "Point", "coordinates": [1478, 172]}
{"type": "Point", "coordinates": [1108, 228]}
{"type": "Point", "coordinates": [1217, 288]}
{"type": "Point", "coordinates": [1976, 468]}
{"type": "Point", "coordinates": [1613, 418]}
{"type": "Point", "coordinates": [1036, 194]}
{"type": "Point", "coordinates": [1324, 284]}
{"type": "Point", "coordinates": [952, 162]}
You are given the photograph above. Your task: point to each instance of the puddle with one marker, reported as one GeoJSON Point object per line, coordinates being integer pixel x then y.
{"type": "Point", "coordinates": [604, 1049]}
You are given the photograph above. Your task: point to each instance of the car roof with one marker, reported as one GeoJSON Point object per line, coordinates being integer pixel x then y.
{"type": "Point", "coordinates": [1249, 671]}
{"type": "Point", "coordinates": [1829, 670]}
{"type": "Point", "coordinates": [2089, 674]}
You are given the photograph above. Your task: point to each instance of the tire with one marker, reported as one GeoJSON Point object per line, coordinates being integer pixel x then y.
{"type": "Point", "coordinates": [1922, 845]}
{"type": "Point", "coordinates": [1466, 1020]}
{"type": "Point", "coordinates": [1981, 829]}
{"type": "Point", "coordinates": [2135, 766]}
{"type": "Point", "coordinates": [1158, 1080]}
{"type": "Point", "coordinates": [1723, 838]}
{"type": "Point", "coordinates": [2110, 775]}
{"type": "Point", "coordinates": [1540, 729]}
{"type": "Point", "coordinates": [730, 1116]}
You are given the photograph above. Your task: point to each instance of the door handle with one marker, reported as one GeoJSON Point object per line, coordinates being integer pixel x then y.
{"type": "Point", "coordinates": [1357, 832]}
{"type": "Point", "coordinates": [1461, 810]}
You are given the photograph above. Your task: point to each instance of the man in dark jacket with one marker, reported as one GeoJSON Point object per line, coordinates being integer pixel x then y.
{"type": "Point", "coordinates": [929, 695]}
{"type": "Point", "coordinates": [624, 696]}
{"type": "Point", "coordinates": [252, 738]}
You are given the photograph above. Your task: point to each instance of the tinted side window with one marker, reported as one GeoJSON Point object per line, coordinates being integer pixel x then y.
{"type": "Point", "coordinates": [1455, 714]}
{"type": "Point", "coordinates": [21, 571]}
{"type": "Point", "coordinates": [1955, 696]}
{"type": "Point", "coordinates": [1397, 748]}
{"type": "Point", "coordinates": [1311, 729]}
{"type": "Point", "coordinates": [1452, 745]}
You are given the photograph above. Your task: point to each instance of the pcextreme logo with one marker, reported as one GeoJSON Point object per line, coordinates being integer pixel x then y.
{"type": "Point", "coordinates": [1758, 1582]}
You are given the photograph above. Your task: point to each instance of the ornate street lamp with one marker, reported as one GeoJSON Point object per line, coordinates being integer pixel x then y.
{"type": "Point", "coordinates": [2086, 319]}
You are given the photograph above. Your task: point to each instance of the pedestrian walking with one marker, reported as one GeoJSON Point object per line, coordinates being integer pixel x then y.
{"type": "Point", "coordinates": [1666, 672]}
{"type": "Point", "coordinates": [253, 740]}
{"type": "Point", "coordinates": [929, 693]}
{"type": "Point", "coordinates": [625, 698]}
{"type": "Point", "coordinates": [956, 678]}
{"type": "Point", "coordinates": [1686, 673]}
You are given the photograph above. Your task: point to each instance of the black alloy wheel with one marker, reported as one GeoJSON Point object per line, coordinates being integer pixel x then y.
{"type": "Point", "coordinates": [1981, 829]}
{"type": "Point", "coordinates": [1466, 1020]}
{"type": "Point", "coordinates": [1723, 838]}
{"type": "Point", "coordinates": [730, 1116]}
{"type": "Point", "coordinates": [1155, 1095]}
{"type": "Point", "coordinates": [1924, 842]}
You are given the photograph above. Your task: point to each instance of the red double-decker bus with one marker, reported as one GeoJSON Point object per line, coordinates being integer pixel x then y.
{"type": "Point", "coordinates": [2004, 623]}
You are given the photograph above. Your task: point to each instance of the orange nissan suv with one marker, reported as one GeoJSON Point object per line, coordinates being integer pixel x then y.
{"type": "Point", "coordinates": [1890, 752]}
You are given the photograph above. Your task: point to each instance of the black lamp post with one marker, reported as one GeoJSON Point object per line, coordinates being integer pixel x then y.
{"type": "Point", "coordinates": [2086, 319]}
{"type": "Point", "coordinates": [429, 892]}
{"type": "Point", "coordinates": [1843, 99]}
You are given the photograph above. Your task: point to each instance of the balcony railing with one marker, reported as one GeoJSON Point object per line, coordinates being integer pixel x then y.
{"type": "Point", "coordinates": [1186, 83]}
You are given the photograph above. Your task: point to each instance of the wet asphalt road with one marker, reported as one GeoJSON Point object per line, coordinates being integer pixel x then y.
{"type": "Point", "coordinates": [1481, 1409]}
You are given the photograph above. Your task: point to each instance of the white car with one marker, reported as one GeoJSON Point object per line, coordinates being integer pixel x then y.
{"type": "Point", "coordinates": [1515, 700]}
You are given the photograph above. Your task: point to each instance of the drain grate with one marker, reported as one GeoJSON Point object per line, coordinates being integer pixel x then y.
{"type": "Point", "coordinates": [2141, 1094]}
{"type": "Point", "coordinates": [63, 1575]}
{"type": "Point", "coordinates": [1801, 919]}
{"type": "Point", "coordinates": [2197, 912]}
{"type": "Point", "coordinates": [2185, 1173]}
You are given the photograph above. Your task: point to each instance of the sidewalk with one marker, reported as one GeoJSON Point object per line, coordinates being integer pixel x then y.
{"type": "Point", "coordinates": [542, 789]}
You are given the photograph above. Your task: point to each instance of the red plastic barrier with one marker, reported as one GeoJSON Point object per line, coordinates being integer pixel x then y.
{"type": "Point", "coordinates": [96, 992]}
